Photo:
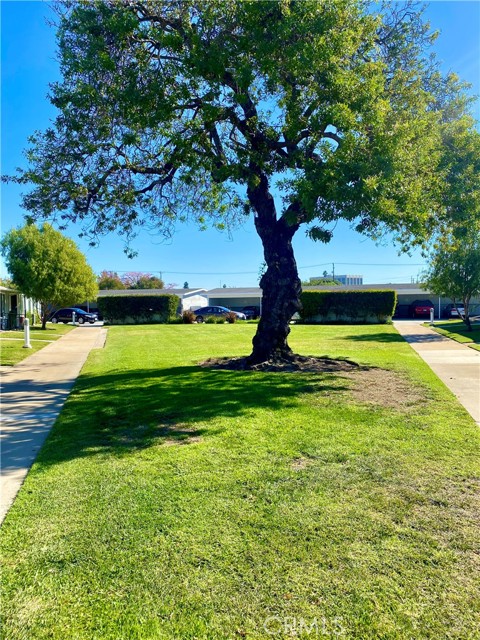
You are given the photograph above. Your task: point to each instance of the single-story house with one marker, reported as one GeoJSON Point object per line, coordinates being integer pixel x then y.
{"type": "Point", "coordinates": [237, 298]}
{"type": "Point", "coordinates": [14, 307]}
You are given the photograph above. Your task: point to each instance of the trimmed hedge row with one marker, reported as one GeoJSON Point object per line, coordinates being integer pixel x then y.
{"type": "Point", "coordinates": [139, 309]}
{"type": "Point", "coordinates": [348, 306]}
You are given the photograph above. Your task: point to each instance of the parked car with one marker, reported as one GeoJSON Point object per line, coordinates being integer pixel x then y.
{"type": "Point", "coordinates": [66, 315]}
{"type": "Point", "coordinates": [252, 312]}
{"type": "Point", "coordinates": [420, 308]}
{"type": "Point", "coordinates": [204, 312]}
{"type": "Point", "coordinates": [452, 311]}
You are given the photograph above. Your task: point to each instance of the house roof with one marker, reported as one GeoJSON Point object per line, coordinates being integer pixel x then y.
{"type": "Point", "coordinates": [256, 292]}
{"type": "Point", "coordinates": [182, 293]}
{"type": "Point", "coordinates": [250, 292]}
{"type": "Point", "coordinates": [405, 288]}
{"type": "Point", "coordinates": [235, 292]}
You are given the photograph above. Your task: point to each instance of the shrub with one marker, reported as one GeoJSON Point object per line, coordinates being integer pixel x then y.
{"type": "Point", "coordinates": [136, 309]}
{"type": "Point", "coordinates": [231, 317]}
{"type": "Point", "coordinates": [347, 306]}
{"type": "Point", "coordinates": [188, 317]}
{"type": "Point", "coordinates": [211, 320]}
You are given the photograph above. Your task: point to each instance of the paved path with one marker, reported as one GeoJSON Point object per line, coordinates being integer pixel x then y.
{"type": "Point", "coordinates": [33, 393]}
{"type": "Point", "coordinates": [457, 365]}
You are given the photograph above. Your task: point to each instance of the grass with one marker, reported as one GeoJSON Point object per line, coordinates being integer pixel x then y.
{"type": "Point", "coordinates": [176, 502]}
{"type": "Point", "coordinates": [11, 342]}
{"type": "Point", "coordinates": [456, 330]}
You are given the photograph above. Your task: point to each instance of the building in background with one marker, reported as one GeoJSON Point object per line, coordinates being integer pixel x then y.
{"type": "Point", "coordinates": [15, 307]}
{"type": "Point", "coordinates": [345, 279]}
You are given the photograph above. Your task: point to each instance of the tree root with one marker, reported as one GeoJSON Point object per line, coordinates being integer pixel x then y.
{"type": "Point", "coordinates": [290, 363]}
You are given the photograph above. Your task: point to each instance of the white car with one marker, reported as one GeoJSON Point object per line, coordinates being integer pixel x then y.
{"type": "Point", "coordinates": [452, 311]}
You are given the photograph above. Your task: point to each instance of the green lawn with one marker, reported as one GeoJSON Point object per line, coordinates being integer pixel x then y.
{"type": "Point", "coordinates": [456, 330]}
{"type": "Point", "coordinates": [177, 502]}
{"type": "Point", "coordinates": [11, 342]}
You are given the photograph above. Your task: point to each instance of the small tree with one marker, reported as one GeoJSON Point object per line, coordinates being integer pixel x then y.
{"type": "Point", "coordinates": [139, 280]}
{"type": "Point", "coordinates": [110, 280]}
{"type": "Point", "coordinates": [48, 267]}
{"type": "Point", "coordinates": [455, 269]}
{"type": "Point", "coordinates": [455, 261]}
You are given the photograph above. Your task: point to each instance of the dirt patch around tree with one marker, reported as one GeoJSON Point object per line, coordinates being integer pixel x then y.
{"type": "Point", "coordinates": [295, 363]}
{"type": "Point", "coordinates": [372, 385]}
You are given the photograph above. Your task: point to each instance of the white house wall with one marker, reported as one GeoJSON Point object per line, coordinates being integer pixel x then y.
{"type": "Point", "coordinates": [194, 302]}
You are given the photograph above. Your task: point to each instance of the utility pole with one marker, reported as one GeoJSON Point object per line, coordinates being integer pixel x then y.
{"type": "Point", "coordinates": [333, 271]}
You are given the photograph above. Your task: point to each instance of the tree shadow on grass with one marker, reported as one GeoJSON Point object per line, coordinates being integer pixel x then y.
{"type": "Point", "coordinates": [118, 412]}
{"type": "Point", "coordinates": [375, 337]}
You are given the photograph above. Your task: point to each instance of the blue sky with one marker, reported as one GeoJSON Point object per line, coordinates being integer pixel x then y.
{"type": "Point", "coordinates": [202, 258]}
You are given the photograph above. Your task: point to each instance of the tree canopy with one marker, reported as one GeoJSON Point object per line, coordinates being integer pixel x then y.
{"type": "Point", "coordinates": [108, 280]}
{"type": "Point", "coordinates": [129, 280]}
{"type": "Point", "coordinates": [454, 270]}
{"type": "Point", "coordinates": [299, 113]}
{"type": "Point", "coordinates": [140, 280]}
{"type": "Point", "coordinates": [48, 267]}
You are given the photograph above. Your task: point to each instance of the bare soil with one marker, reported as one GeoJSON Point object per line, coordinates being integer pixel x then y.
{"type": "Point", "coordinates": [307, 364]}
{"type": "Point", "coordinates": [385, 388]}
{"type": "Point", "coordinates": [372, 385]}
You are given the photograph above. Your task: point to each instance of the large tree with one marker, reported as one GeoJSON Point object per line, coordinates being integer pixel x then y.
{"type": "Point", "coordinates": [48, 267]}
{"type": "Point", "coordinates": [299, 113]}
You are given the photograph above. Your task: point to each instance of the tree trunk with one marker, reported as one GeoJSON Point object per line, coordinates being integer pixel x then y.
{"type": "Point", "coordinates": [44, 314]}
{"type": "Point", "coordinates": [466, 313]}
{"type": "Point", "coordinates": [280, 284]}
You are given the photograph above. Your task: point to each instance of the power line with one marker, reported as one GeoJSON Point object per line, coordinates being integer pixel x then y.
{"type": "Point", "coordinates": [244, 273]}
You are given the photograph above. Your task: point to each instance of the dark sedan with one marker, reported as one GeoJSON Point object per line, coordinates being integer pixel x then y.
{"type": "Point", "coordinates": [66, 315]}
{"type": "Point", "coordinates": [205, 312]}
{"type": "Point", "coordinates": [252, 312]}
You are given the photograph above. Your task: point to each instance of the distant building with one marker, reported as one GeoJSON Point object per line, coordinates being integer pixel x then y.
{"type": "Point", "coordinates": [346, 279]}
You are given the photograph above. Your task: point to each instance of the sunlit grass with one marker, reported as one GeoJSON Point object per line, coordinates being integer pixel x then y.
{"type": "Point", "coordinates": [457, 330]}
{"type": "Point", "coordinates": [174, 501]}
{"type": "Point", "coordinates": [11, 342]}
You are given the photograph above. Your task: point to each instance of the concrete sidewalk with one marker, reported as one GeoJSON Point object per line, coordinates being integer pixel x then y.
{"type": "Point", "coordinates": [33, 394]}
{"type": "Point", "coordinates": [457, 365]}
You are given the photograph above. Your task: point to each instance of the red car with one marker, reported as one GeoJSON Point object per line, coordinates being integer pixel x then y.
{"type": "Point", "coordinates": [420, 308]}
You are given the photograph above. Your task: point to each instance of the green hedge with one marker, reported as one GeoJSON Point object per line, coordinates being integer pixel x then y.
{"type": "Point", "coordinates": [138, 309]}
{"type": "Point", "coordinates": [348, 306]}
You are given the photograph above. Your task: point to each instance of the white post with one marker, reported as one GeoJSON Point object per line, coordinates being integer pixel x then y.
{"type": "Point", "coordinates": [432, 314]}
{"type": "Point", "coordinates": [26, 331]}
{"type": "Point", "coordinates": [73, 318]}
